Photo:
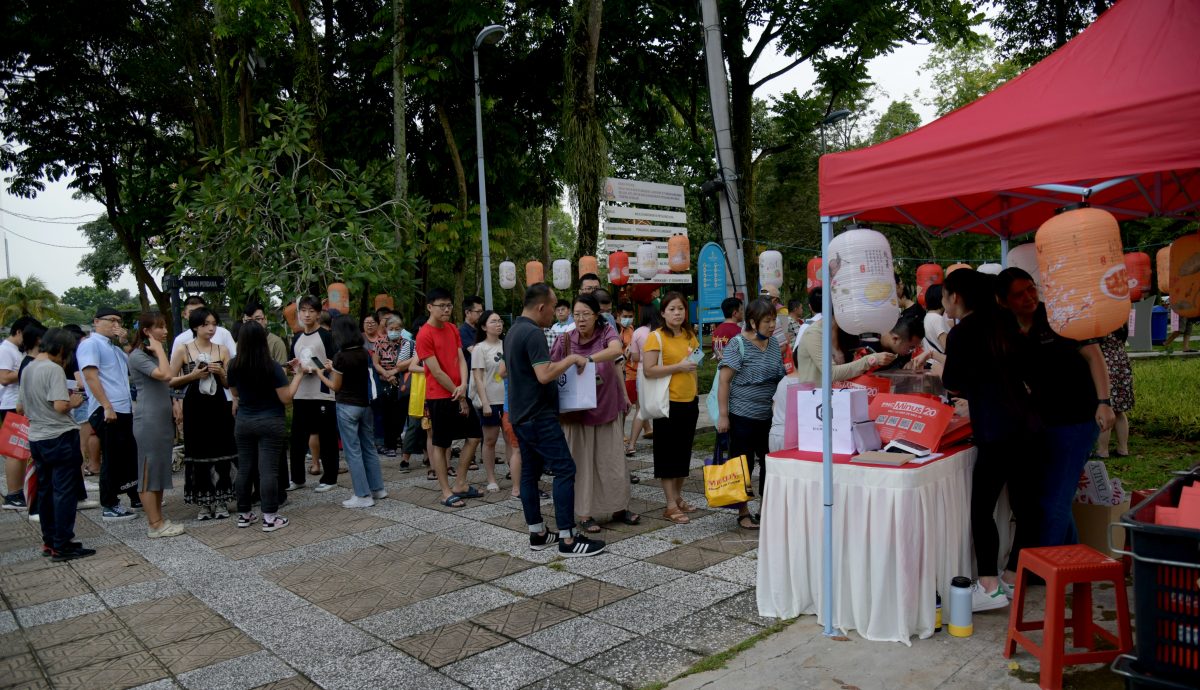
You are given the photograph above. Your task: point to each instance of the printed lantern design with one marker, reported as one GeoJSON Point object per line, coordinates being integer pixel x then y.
{"type": "Point", "coordinates": [1185, 276]}
{"type": "Point", "coordinates": [508, 275]}
{"type": "Point", "coordinates": [954, 267]}
{"type": "Point", "coordinates": [647, 261]}
{"type": "Point", "coordinates": [928, 275]}
{"type": "Point", "coordinates": [1084, 282]}
{"type": "Point", "coordinates": [1025, 258]}
{"type": "Point", "coordinates": [863, 282]}
{"type": "Point", "coordinates": [618, 268]}
{"type": "Point", "coordinates": [1162, 261]}
{"type": "Point", "coordinates": [560, 272]}
{"type": "Point", "coordinates": [289, 313]}
{"type": "Point", "coordinates": [770, 268]}
{"type": "Point", "coordinates": [1137, 265]}
{"type": "Point", "coordinates": [813, 277]}
{"type": "Point", "coordinates": [339, 297]}
{"type": "Point", "coordinates": [587, 264]}
{"type": "Point", "coordinates": [990, 269]}
{"type": "Point", "coordinates": [679, 253]}
{"type": "Point", "coordinates": [534, 273]}
{"type": "Point", "coordinates": [384, 300]}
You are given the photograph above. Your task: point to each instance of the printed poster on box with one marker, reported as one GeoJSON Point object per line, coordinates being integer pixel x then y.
{"type": "Point", "coordinates": [915, 418]}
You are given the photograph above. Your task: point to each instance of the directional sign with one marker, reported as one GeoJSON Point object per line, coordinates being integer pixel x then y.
{"type": "Point", "coordinates": [639, 192]}
{"type": "Point", "coordinates": [712, 283]}
{"type": "Point", "coordinates": [202, 283]}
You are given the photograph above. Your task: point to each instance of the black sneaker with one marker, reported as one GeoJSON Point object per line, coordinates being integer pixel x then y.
{"type": "Point", "coordinates": [15, 502]}
{"type": "Point", "coordinates": [47, 551]}
{"type": "Point", "coordinates": [72, 554]}
{"type": "Point", "coordinates": [537, 542]}
{"type": "Point", "coordinates": [404, 467]}
{"type": "Point", "coordinates": [580, 547]}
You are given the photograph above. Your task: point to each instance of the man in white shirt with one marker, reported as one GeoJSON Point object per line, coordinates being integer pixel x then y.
{"type": "Point", "coordinates": [10, 391]}
{"type": "Point", "coordinates": [814, 303]}
{"type": "Point", "coordinates": [222, 337]}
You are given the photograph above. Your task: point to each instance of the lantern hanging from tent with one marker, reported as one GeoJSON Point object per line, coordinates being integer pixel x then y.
{"type": "Point", "coordinates": [587, 264]}
{"type": "Point", "coordinates": [534, 273]}
{"type": "Point", "coordinates": [928, 275]}
{"type": "Point", "coordinates": [618, 268]}
{"type": "Point", "coordinates": [339, 297]}
{"type": "Point", "coordinates": [863, 282]}
{"type": "Point", "coordinates": [508, 275]}
{"type": "Point", "coordinates": [384, 300]}
{"type": "Point", "coordinates": [770, 269]}
{"type": "Point", "coordinates": [647, 261]}
{"type": "Point", "coordinates": [679, 253]}
{"type": "Point", "coordinates": [954, 267]}
{"type": "Point", "coordinates": [1025, 258]}
{"type": "Point", "coordinates": [560, 272]}
{"type": "Point", "coordinates": [813, 273]}
{"type": "Point", "coordinates": [1084, 282]}
{"type": "Point", "coordinates": [289, 313]}
{"type": "Point", "coordinates": [1137, 265]}
{"type": "Point", "coordinates": [992, 269]}
{"type": "Point", "coordinates": [1162, 262]}
{"type": "Point", "coordinates": [1185, 276]}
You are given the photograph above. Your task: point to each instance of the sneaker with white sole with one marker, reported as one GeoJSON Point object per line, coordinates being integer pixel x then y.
{"type": "Point", "coordinates": [15, 501]}
{"type": "Point", "coordinates": [205, 513]}
{"type": "Point", "coordinates": [87, 503]}
{"type": "Point", "coordinates": [323, 487]}
{"type": "Point", "coordinates": [983, 600]}
{"type": "Point", "coordinates": [168, 529]}
{"type": "Point", "coordinates": [246, 519]}
{"type": "Point", "coordinates": [220, 511]}
{"type": "Point", "coordinates": [35, 518]}
{"type": "Point", "coordinates": [117, 513]}
{"type": "Point", "coordinates": [537, 542]}
{"type": "Point", "coordinates": [292, 486]}
{"type": "Point", "coordinates": [579, 547]}
{"type": "Point", "coordinates": [382, 493]}
{"type": "Point", "coordinates": [359, 502]}
{"type": "Point", "coordinates": [278, 522]}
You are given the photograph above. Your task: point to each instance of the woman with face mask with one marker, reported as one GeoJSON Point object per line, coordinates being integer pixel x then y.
{"type": "Point", "coordinates": [750, 369]}
{"type": "Point", "coordinates": [389, 364]}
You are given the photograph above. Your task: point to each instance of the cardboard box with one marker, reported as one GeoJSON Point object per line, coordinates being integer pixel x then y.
{"type": "Point", "coordinates": [1092, 521]}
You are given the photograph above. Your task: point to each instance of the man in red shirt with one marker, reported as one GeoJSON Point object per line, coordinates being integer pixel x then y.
{"type": "Point", "coordinates": [439, 348]}
{"type": "Point", "coordinates": [728, 329]}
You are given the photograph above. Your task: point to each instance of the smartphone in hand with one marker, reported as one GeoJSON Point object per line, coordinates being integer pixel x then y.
{"type": "Point", "coordinates": [317, 363]}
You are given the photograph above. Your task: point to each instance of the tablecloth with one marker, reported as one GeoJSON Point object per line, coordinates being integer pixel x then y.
{"type": "Point", "coordinates": [900, 534]}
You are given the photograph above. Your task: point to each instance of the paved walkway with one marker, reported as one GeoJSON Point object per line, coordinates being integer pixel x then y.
{"type": "Point", "coordinates": [405, 594]}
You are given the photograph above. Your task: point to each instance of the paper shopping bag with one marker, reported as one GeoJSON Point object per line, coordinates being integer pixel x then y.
{"type": "Point", "coordinates": [14, 437]}
{"type": "Point", "coordinates": [726, 480]}
{"type": "Point", "coordinates": [790, 430]}
{"type": "Point", "coordinates": [873, 385]}
{"type": "Point", "coordinates": [917, 418]}
{"type": "Point", "coordinates": [416, 396]}
{"type": "Point", "coordinates": [849, 406]}
{"type": "Point", "coordinates": [576, 389]}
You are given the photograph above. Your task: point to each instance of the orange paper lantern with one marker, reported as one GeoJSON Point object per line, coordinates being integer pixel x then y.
{"type": "Point", "coordinates": [289, 313]}
{"type": "Point", "coordinates": [1162, 262]}
{"type": "Point", "coordinates": [384, 300]}
{"type": "Point", "coordinates": [1084, 282]}
{"type": "Point", "coordinates": [1185, 276]}
{"type": "Point", "coordinates": [954, 267]}
{"type": "Point", "coordinates": [534, 273]}
{"type": "Point", "coordinates": [927, 275]}
{"type": "Point", "coordinates": [813, 273]}
{"type": "Point", "coordinates": [618, 268]}
{"type": "Point", "coordinates": [587, 264]}
{"type": "Point", "coordinates": [339, 297]}
{"type": "Point", "coordinates": [1137, 265]}
{"type": "Point", "coordinates": [679, 253]}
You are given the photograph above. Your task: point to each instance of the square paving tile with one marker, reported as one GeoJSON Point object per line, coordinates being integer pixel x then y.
{"type": "Point", "coordinates": [368, 602]}
{"type": "Point", "coordinates": [205, 650]}
{"type": "Point", "coordinates": [698, 590]}
{"type": "Point", "coordinates": [586, 595]}
{"type": "Point", "coordinates": [450, 643]}
{"type": "Point", "coordinates": [493, 567]}
{"type": "Point", "coordinates": [577, 639]}
{"type": "Point", "coordinates": [537, 580]}
{"type": "Point", "coordinates": [293, 683]}
{"type": "Point", "coordinates": [641, 547]}
{"type": "Point", "coordinates": [641, 662]}
{"type": "Point", "coordinates": [124, 672]}
{"type": "Point", "coordinates": [643, 612]}
{"type": "Point", "coordinates": [163, 621]}
{"type": "Point", "coordinates": [705, 633]}
{"type": "Point", "coordinates": [49, 585]}
{"type": "Point", "coordinates": [430, 613]}
{"type": "Point", "coordinates": [641, 575]}
{"type": "Point", "coordinates": [244, 672]}
{"type": "Point", "coordinates": [524, 618]}
{"type": "Point", "coordinates": [20, 670]}
{"type": "Point", "coordinates": [743, 606]}
{"type": "Point", "coordinates": [433, 550]}
{"type": "Point", "coordinates": [431, 584]}
{"type": "Point", "coordinates": [70, 630]}
{"type": "Point", "coordinates": [735, 542]}
{"type": "Point", "coordinates": [329, 584]}
{"type": "Point", "coordinates": [88, 651]}
{"type": "Point", "coordinates": [574, 679]}
{"type": "Point", "coordinates": [689, 558]}
{"type": "Point", "coordinates": [507, 667]}
{"type": "Point", "coordinates": [739, 569]}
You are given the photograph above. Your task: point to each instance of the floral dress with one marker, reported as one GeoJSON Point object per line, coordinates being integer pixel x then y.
{"type": "Point", "coordinates": [1120, 373]}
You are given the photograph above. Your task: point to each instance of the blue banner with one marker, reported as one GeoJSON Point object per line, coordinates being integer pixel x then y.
{"type": "Point", "coordinates": [713, 286]}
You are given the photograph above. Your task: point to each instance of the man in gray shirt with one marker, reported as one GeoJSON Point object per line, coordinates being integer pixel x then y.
{"type": "Point", "coordinates": [312, 406]}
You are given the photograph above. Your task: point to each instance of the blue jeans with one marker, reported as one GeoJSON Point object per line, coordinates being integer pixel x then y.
{"type": "Point", "coordinates": [356, 425]}
{"type": "Point", "coordinates": [1068, 447]}
{"type": "Point", "coordinates": [544, 446]}
{"type": "Point", "coordinates": [57, 462]}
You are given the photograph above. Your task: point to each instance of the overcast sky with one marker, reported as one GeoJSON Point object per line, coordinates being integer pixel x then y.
{"type": "Point", "coordinates": [51, 218]}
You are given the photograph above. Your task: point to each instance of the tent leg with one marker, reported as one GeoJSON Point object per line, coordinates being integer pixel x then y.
{"type": "Point", "coordinates": [827, 593]}
{"type": "Point", "coordinates": [1004, 252]}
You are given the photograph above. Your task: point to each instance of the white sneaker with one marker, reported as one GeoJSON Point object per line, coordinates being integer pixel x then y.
{"type": "Point", "coordinates": [382, 493]}
{"type": "Point", "coordinates": [292, 486]}
{"type": "Point", "coordinates": [982, 600]}
{"type": "Point", "coordinates": [168, 529]}
{"type": "Point", "coordinates": [359, 502]}
{"type": "Point", "coordinates": [323, 487]}
{"type": "Point", "coordinates": [87, 503]}
{"type": "Point", "coordinates": [35, 518]}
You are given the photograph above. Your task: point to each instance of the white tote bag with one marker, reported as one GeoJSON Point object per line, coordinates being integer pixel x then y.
{"type": "Point", "coordinates": [654, 395]}
{"type": "Point", "coordinates": [577, 391]}
{"type": "Point", "coordinates": [849, 407]}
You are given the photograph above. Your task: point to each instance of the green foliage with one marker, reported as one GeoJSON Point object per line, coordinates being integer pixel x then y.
{"type": "Point", "coordinates": [107, 259]}
{"type": "Point", "coordinates": [88, 298]}
{"type": "Point", "coordinates": [965, 72]}
{"type": "Point", "coordinates": [1032, 29]}
{"type": "Point", "coordinates": [27, 298]}
{"type": "Point", "coordinates": [899, 118]}
{"type": "Point", "coordinates": [1164, 388]}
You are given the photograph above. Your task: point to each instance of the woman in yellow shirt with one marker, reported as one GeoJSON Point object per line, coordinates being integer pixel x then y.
{"type": "Point", "coordinates": [670, 351]}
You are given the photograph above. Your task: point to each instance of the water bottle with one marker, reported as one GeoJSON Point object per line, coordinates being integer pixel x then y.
{"type": "Point", "coordinates": [937, 619]}
{"type": "Point", "coordinates": [960, 607]}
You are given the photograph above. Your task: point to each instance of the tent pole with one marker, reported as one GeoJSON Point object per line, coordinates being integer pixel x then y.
{"type": "Point", "coordinates": [827, 428]}
{"type": "Point", "coordinates": [1004, 252]}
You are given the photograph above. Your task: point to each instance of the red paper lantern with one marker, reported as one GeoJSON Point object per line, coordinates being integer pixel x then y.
{"type": "Point", "coordinates": [384, 300]}
{"type": "Point", "coordinates": [813, 273]}
{"type": "Point", "coordinates": [1137, 265]}
{"type": "Point", "coordinates": [618, 268]}
{"type": "Point", "coordinates": [1185, 276]}
{"type": "Point", "coordinates": [1162, 261]}
{"type": "Point", "coordinates": [534, 273]}
{"type": "Point", "coordinates": [679, 253]}
{"type": "Point", "coordinates": [339, 297]}
{"type": "Point", "coordinates": [289, 313]}
{"type": "Point", "coordinates": [1084, 282]}
{"type": "Point", "coordinates": [587, 264]}
{"type": "Point", "coordinates": [927, 276]}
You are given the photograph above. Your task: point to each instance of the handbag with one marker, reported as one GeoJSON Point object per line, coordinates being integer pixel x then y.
{"type": "Point", "coordinates": [416, 399]}
{"type": "Point", "coordinates": [712, 402]}
{"type": "Point", "coordinates": [14, 437]}
{"type": "Point", "coordinates": [726, 480]}
{"type": "Point", "coordinates": [654, 395]}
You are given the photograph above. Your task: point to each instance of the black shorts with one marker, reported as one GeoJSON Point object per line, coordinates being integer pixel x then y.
{"type": "Point", "coordinates": [492, 419]}
{"type": "Point", "coordinates": [449, 424]}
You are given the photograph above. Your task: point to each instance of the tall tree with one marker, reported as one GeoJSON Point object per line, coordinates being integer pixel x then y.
{"type": "Point", "coordinates": [1032, 29]}
{"type": "Point", "coordinates": [30, 297]}
{"type": "Point", "coordinates": [965, 72]}
{"type": "Point", "coordinates": [899, 118]}
{"type": "Point", "coordinates": [399, 112]}
{"type": "Point", "coordinates": [583, 130]}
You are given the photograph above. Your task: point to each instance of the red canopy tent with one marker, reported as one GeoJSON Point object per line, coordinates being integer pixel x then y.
{"type": "Point", "coordinates": [1115, 112]}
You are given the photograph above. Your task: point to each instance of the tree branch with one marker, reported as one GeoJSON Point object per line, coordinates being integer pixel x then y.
{"type": "Point", "coordinates": [764, 40]}
{"type": "Point", "coordinates": [803, 58]}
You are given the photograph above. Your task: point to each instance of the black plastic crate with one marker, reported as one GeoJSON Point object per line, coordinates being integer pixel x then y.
{"type": "Point", "coordinates": [1166, 589]}
{"type": "Point", "coordinates": [1136, 679]}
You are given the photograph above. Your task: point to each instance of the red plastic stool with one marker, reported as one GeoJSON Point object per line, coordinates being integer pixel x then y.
{"type": "Point", "coordinates": [1060, 566]}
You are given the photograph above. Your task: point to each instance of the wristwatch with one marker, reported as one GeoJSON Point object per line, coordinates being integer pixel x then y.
{"type": "Point", "coordinates": [590, 359]}
{"type": "Point", "coordinates": [1104, 401]}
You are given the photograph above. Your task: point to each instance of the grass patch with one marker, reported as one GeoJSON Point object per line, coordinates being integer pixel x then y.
{"type": "Point", "coordinates": [720, 659]}
{"type": "Point", "coordinates": [556, 565]}
{"type": "Point", "coordinates": [705, 441]}
{"type": "Point", "coordinates": [705, 374]}
{"type": "Point", "coordinates": [1152, 460]}
{"type": "Point", "coordinates": [1165, 391]}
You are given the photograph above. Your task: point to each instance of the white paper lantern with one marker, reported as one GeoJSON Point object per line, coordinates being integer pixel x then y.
{"type": "Point", "coordinates": [863, 282]}
{"type": "Point", "coordinates": [990, 269]}
{"type": "Point", "coordinates": [647, 261]}
{"type": "Point", "coordinates": [508, 275]}
{"type": "Point", "coordinates": [560, 271]}
{"type": "Point", "coordinates": [1025, 258]}
{"type": "Point", "coordinates": [770, 269]}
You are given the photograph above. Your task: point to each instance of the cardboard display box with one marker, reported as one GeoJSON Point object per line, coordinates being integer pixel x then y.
{"type": "Point", "coordinates": [1092, 521]}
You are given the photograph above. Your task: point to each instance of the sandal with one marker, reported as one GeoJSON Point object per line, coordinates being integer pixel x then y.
{"type": "Point", "coordinates": [629, 452]}
{"type": "Point", "coordinates": [686, 507]}
{"type": "Point", "coordinates": [314, 470]}
{"type": "Point", "coordinates": [589, 525]}
{"type": "Point", "coordinates": [431, 476]}
{"type": "Point", "coordinates": [455, 501]}
{"type": "Point", "coordinates": [627, 517]}
{"type": "Point", "coordinates": [88, 473]}
{"type": "Point", "coordinates": [747, 521]}
{"type": "Point", "coordinates": [676, 515]}
{"type": "Point", "coordinates": [634, 479]}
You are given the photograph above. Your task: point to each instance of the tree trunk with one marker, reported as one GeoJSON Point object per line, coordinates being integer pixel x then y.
{"type": "Point", "coordinates": [231, 76]}
{"type": "Point", "coordinates": [741, 127]}
{"type": "Point", "coordinates": [583, 131]}
{"type": "Point", "coordinates": [545, 232]}
{"type": "Point", "coordinates": [399, 115]}
{"type": "Point", "coordinates": [308, 78]}
{"type": "Point", "coordinates": [460, 175]}
{"type": "Point", "coordinates": [127, 238]}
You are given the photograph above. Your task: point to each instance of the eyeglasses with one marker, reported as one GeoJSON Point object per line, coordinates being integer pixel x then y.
{"type": "Point", "coordinates": [443, 305]}
{"type": "Point", "coordinates": [476, 311]}
{"type": "Point", "coordinates": [110, 319]}
{"type": "Point", "coordinates": [579, 316]}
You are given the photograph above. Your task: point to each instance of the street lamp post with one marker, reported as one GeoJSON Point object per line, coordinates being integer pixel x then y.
{"type": "Point", "coordinates": [490, 35]}
{"type": "Point", "coordinates": [831, 118]}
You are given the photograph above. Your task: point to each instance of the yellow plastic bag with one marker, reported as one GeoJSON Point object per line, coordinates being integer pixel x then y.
{"type": "Point", "coordinates": [726, 480]}
{"type": "Point", "coordinates": [416, 396]}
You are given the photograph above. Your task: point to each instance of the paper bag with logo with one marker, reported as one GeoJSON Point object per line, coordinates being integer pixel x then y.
{"type": "Point", "coordinates": [726, 479]}
{"type": "Point", "coordinates": [790, 430]}
{"type": "Point", "coordinates": [873, 385]}
{"type": "Point", "coordinates": [849, 406]}
{"type": "Point", "coordinates": [14, 437]}
{"type": "Point", "coordinates": [576, 390]}
{"type": "Point", "coordinates": [917, 418]}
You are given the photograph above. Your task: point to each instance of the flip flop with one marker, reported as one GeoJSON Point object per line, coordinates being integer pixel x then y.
{"type": "Point", "coordinates": [747, 518]}
{"type": "Point", "coordinates": [627, 517]}
{"type": "Point", "coordinates": [589, 525]}
{"type": "Point", "coordinates": [454, 499]}
{"type": "Point", "coordinates": [471, 492]}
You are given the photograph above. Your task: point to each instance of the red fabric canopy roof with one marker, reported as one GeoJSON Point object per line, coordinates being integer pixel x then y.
{"type": "Point", "coordinates": [1120, 99]}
